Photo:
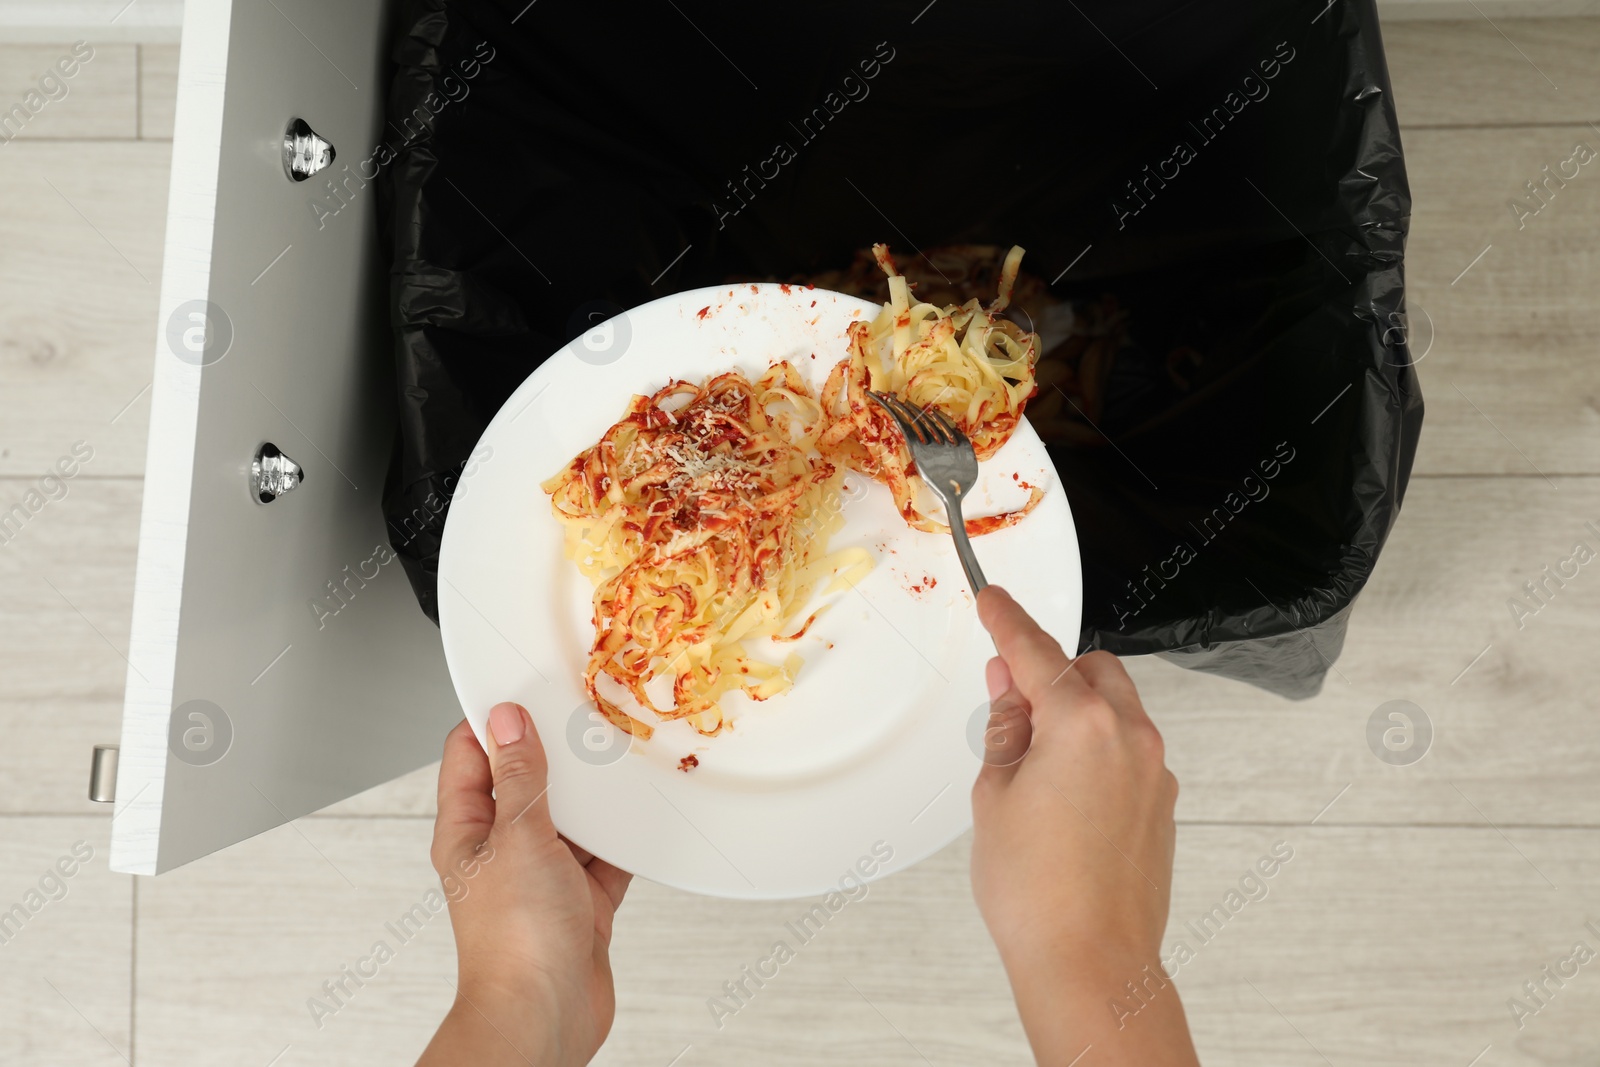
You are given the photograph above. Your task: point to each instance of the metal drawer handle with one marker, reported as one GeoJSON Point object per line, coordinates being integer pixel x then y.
{"type": "Point", "coordinates": [304, 153]}
{"type": "Point", "coordinates": [103, 774]}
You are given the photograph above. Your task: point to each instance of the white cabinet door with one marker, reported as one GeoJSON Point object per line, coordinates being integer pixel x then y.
{"type": "Point", "coordinates": [279, 661]}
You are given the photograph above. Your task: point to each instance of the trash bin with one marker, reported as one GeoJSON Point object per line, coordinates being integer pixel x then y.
{"type": "Point", "coordinates": [1212, 197]}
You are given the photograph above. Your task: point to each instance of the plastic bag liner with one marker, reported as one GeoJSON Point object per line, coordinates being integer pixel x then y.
{"type": "Point", "coordinates": [1211, 195]}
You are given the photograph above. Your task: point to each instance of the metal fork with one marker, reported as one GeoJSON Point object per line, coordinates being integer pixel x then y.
{"type": "Point", "coordinates": [948, 466]}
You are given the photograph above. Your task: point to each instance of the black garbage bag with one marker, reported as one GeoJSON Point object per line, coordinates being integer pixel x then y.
{"type": "Point", "coordinates": [1211, 195]}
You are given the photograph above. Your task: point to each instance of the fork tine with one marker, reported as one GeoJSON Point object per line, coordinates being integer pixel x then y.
{"type": "Point", "coordinates": [952, 432]}
{"type": "Point", "coordinates": [906, 417]}
{"type": "Point", "coordinates": [913, 415]}
{"type": "Point", "coordinates": [883, 402]}
{"type": "Point", "coordinates": [940, 427]}
{"type": "Point", "coordinates": [930, 424]}
{"type": "Point", "coordinates": [925, 433]}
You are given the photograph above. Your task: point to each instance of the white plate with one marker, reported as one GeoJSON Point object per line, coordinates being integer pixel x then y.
{"type": "Point", "coordinates": [860, 770]}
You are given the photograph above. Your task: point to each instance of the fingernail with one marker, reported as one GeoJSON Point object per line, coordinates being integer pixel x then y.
{"type": "Point", "coordinates": [506, 723]}
{"type": "Point", "coordinates": [997, 676]}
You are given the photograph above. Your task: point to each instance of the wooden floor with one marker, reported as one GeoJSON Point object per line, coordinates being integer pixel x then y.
{"type": "Point", "coordinates": [1419, 900]}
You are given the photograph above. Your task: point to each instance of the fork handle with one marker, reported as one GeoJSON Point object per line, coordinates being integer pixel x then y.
{"type": "Point", "coordinates": [958, 531]}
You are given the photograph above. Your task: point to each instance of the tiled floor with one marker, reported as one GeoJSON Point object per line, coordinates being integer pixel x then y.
{"type": "Point", "coordinates": [1419, 898]}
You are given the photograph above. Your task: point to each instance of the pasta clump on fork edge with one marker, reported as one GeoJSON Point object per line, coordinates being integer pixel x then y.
{"type": "Point", "coordinates": [702, 517]}
{"type": "Point", "coordinates": [967, 361]}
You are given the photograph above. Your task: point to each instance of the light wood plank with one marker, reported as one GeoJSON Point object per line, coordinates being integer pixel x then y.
{"type": "Point", "coordinates": [1387, 946]}
{"type": "Point", "coordinates": [68, 576]}
{"type": "Point", "coordinates": [78, 322]}
{"type": "Point", "coordinates": [1510, 378]}
{"type": "Point", "coordinates": [1467, 73]}
{"type": "Point", "coordinates": [1402, 11]}
{"type": "Point", "coordinates": [196, 1008]}
{"type": "Point", "coordinates": [158, 90]}
{"type": "Point", "coordinates": [100, 20]}
{"type": "Point", "coordinates": [40, 99]}
{"type": "Point", "coordinates": [1380, 945]}
{"type": "Point", "coordinates": [253, 1013]}
{"type": "Point", "coordinates": [80, 942]}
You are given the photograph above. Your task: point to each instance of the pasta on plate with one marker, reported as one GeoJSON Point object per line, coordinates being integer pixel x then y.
{"type": "Point", "coordinates": [703, 515]}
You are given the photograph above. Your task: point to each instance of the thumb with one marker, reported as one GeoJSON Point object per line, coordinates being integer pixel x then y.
{"type": "Point", "coordinates": [1035, 659]}
{"type": "Point", "coordinates": [1008, 733]}
{"type": "Point", "coordinates": [521, 776]}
